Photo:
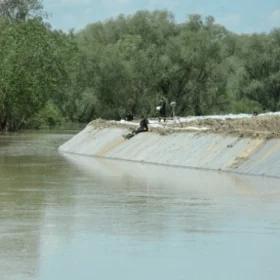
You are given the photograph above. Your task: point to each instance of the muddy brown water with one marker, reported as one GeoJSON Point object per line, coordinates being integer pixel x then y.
{"type": "Point", "coordinates": [72, 217]}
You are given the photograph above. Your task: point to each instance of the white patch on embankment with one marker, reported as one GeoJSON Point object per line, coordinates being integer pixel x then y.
{"type": "Point", "coordinates": [185, 149]}
{"type": "Point", "coordinates": [154, 123]}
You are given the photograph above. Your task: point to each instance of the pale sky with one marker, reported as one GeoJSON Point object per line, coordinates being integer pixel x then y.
{"type": "Point", "coordinates": [241, 16]}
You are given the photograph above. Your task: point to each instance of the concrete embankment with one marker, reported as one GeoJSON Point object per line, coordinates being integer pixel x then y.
{"type": "Point", "coordinates": [191, 149]}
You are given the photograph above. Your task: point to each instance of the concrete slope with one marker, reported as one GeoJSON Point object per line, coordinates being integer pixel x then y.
{"type": "Point", "coordinates": [185, 149]}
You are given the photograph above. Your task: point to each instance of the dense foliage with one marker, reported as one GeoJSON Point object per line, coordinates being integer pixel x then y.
{"type": "Point", "coordinates": [126, 65]}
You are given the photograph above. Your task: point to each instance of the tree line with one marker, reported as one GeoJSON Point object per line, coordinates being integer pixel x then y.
{"type": "Point", "coordinates": [127, 64]}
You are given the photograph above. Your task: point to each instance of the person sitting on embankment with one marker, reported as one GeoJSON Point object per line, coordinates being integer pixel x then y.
{"type": "Point", "coordinates": [143, 127]}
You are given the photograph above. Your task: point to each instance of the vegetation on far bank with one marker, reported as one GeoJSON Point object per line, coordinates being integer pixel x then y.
{"type": "Point", "coordinates": [126, 64]}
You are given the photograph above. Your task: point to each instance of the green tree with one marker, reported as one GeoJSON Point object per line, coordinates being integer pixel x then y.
{"type": "Point", "coordinates": [20, 10]}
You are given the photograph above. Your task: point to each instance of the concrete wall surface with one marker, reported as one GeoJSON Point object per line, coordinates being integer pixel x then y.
{"type": "Point", "coordinates": [185, 149]}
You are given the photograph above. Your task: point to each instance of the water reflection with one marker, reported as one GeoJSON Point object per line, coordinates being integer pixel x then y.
{"type": "Point", "coordinates": [72, 217]}
{"type": "Point", "coordinates": [200, 197]}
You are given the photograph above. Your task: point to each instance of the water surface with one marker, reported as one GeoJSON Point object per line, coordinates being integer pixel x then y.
{"type": "Point", "coordinates": [72, 217]}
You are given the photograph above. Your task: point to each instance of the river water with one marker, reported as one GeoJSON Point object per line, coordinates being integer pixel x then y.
{"type": "Point", "coordinates": [69, 217]}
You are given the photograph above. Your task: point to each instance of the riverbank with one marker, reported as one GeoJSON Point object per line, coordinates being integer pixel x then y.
{"type": "Point", "coordinates": [235, 143]}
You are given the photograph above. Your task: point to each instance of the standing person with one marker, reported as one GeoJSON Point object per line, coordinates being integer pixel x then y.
{"type": "Point", "coordinates": [173, 106]}
{"type": "Point", "coordinates": [129, 117]}
{"type": "Point", "coordinates": [162, 109]}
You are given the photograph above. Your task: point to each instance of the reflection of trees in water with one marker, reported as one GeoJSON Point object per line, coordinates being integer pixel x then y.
{"type": "Point", "coordinates": [22, 210]}
{"type": "Point", "coordinates": [29, 184]}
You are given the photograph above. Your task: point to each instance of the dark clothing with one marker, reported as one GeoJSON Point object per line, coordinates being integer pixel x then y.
{"type": "Point", "coordinates": [143, 127]}
{"type": "Point", "coordinates": [129, 117]}
{"type": "Point", "coordinates": [162, 110]}
{"type": "Point", "coordinates": [144, 124]}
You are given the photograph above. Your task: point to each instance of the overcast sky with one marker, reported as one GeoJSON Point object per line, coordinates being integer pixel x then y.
{"type": "Point", "coordinates": [242, 16]}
